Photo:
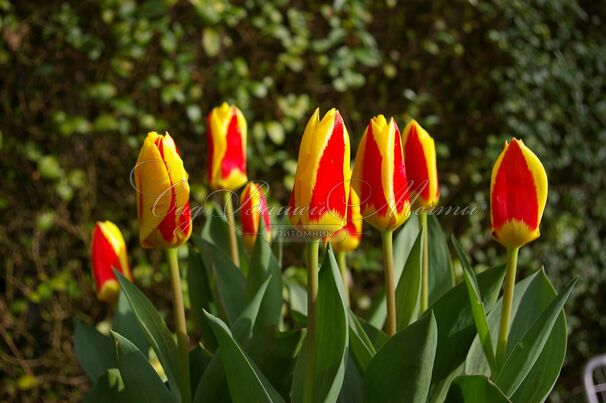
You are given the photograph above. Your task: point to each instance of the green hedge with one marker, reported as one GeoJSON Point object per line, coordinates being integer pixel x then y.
{"type": "Point", "coordinates": [82, 82]}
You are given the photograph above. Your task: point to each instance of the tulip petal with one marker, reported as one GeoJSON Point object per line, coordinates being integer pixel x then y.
{"type": "Point", "coordinates": [420, 159]}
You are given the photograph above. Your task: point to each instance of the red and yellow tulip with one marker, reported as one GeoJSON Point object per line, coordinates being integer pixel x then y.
{"type": "Point", "coordinates": [379, 176]}
{"type": "Point", "coordinates": [108, 251]}
{"type": "Point", "coordinates": [420, 159]}
{"type": "Point", "coordinates": [518, 193]}
{"type": "Point", "coordinates": [348, 238]}
{"type": "Point", "coordinates": [253, 207]}
{"type": "Point", "coordinates": [318, 201]}
{"type": "Point", "coordinates": [162, 194]}
{"type": "Point", "coordinates": [226, 137]}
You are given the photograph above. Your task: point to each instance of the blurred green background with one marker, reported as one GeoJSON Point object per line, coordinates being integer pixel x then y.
{"type": "Point", "coordinates": [81, 82]}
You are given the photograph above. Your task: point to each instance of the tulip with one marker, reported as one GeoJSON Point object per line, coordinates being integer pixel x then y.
{"type": "Point", "coordinates": [165, 221]}
{"type": "Point", "coordinates": [252, 208]}
{"type": "Point", "coordinates": [226, 137]}
{"type": "Point", "coordinates": [162, 194]}
{"type": "Point", "coordinates": [518, 193]}
{"type": "Point", "coordinates": [108, 251]}
{"type": "Point", "coordinates": [318, 206]}
{"type": "Point", "coordinates": [420, 160]}
{"type": "Point", "coordinates": [318, 201]}
{"type": "Point", "coordinates": [379, 177]}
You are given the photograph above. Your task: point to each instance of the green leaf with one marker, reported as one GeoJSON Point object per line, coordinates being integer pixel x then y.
{"type": "Point", "coordinates": [247, 321]}
{"type": "Point", "coordinates": [156, 332]}
{"type": "Point", "coordinates": [376, 336]}
{"type": "Point", "coordinates": [331, 338]}
{"type": "Point", "coordinates": [109, 387]}
{"type": "Point", "coordinates": [456, 329]}
{"type": "Point", "coordinates": [141, 382]}
{"type": "Point", "coordinates": [477, 307]}
{"type": "Point", "coordinates": [94, 351]}
{"type": "Point", "coordinates": [408, 290]}
{"type": "Point", "coordinates": [401, 370]}
{"type": "Point", "coordinates": [262, 265]}
{"type": "Point", "coordinates": [525, 354]}
{"type": "Point", "coordinates": [215, 231]}
{"type": "Point", "coordinates": [126, 324]}
{"type": "Point", "coordinates": [199, 359]}
{"type": "Point", "coordinates": [475, 389]}
{"type": "Point", "coordinates": [200, 297]}
{"type": "Point", "coordinates": [351, 391]}
{"type": "Point", "coordinates": [229, 280]}
{"type": "Point", "coordinates": [534, 294]}
{"type": "Point", "coordinates": [361, 348]}
{"type": "Point", "coordinates": [246, 382]}
{"type": "Point", "coordinates": [440, 266]}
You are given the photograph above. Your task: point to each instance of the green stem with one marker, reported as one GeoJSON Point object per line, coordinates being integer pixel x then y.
{"type": "Point", "coordinates": [425, 273]}
{"type": "Point", "coordinates": [390, 291]}
{"type": "Point", "coordinates": [233, 241]}
{"type": "Point", "coordinates": [179, 310]}
{"type": "Point", "coordinates": [342, 260]}
{"type": "Point", "coordinates": [510, 280]}
{"type": "Point", "coordinates": [311, 252]}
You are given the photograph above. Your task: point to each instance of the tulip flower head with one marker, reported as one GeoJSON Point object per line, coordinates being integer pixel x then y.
{"type": "Point", "coordinates": [379, 176]}
{"type": "Point", "coordinates": [108, 251]}
{"type": "Point", "coordinates": [253, 207]}
{"type": "Point", "coordinates": [318, 202]}
{"type": "Point", "coordinates": [226, 137]}
{"type": "Point", "coordinates": [162, 194]}
{"type": "Point", "coordinates": [420, 159]}
{"type": "Point", "coordinates": [518, 193]}
{"type": "Point", "coordinates": [348, 238]}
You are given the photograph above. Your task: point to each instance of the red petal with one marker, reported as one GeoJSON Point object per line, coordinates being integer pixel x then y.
{"type": "Point", "coordinates": [400, 181]}
{"type": "Point", "coordinates": [371, 189]}
{"type": "Point", "coordinates": [104, 257]}
{"type": "Point", "coordinates": [416, 164]}
{"type": "Point", "coordinates": [234, 157]}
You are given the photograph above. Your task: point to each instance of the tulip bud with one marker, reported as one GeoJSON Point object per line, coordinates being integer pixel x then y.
{"type": "Point", "coordinates": [420, 159]}
{"type": "Point", "coordinates": [108, 251]}
{"type": "Point", "coordinates": [379, 176]}
{"type": "Point", "coordinates": [348, 238]}
{"type": "Point", "coordinates": [226, 137]}
{"type": "Point", "coordinates": [162, 194]}
{"type": "Point", "coordinates": [318, 202]}
{"type": "Point", "coordinates": [518, 193]}
{"type": "Point", "coordinates": [253, 206]}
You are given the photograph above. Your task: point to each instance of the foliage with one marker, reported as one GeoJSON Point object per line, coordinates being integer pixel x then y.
{"type": "Point", "coordinates": [82, 82]}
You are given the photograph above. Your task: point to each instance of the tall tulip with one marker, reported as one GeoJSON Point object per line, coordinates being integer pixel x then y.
{"type": "Point", "coordinates": [420, 160]}
{"type": "Point", "coordinates": [253, 208]}
{"type": "Point", "coordinates": [318, 205]}
{"type": "Point", "coordinates": [379, 177]}
{"type": "Point", "coordinates": [518, 194]}
{"type": "Point", "coordinates": [348, 238]}
{"type": "Point", "coordinates": [108, 251]}
{"type": "Point", "coordinates": [162, 194]}
{"type": "Point", "coordinates": [165, 221]}
{"type": "Point", "coordinates": [226, 138]}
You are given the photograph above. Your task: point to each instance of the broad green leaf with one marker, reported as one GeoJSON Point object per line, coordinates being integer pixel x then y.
{"type": "Point", "coordinates": [331, 338]}
{"type": "Point", "coordinates": [215, 231]}
{"type": "Point", "coordinates": [456, 329]}
{"type": "Point", "coordinates": [246, 382]}
{"type": "Point", "coordinates": [229, 280]}
{"type": "Point", "coordinates": [94, 351]}
{"type": "Point", "coordinates": [156, 332]}
{"type": "Point", "coordinates": [200, 297]}
{"type": "Point", "coordinates": [477, 307]}
{"type": "Point", "coordinates": [361, 348]}
{"type": "Point", "coordinates": [534, 294]}
{"type": "Point", "coordinates": [262, 265]}
{"type": "Point", "coordinates": [401, 370]}
{"type": "Point", "coordinates": [108, 388]}
{"type": "Point", "coordinates": [408, 290]}
{"type": "Point", "coordinates": [141, 382]}
{"type": "Point", "coordinates": [351, 391]}
{"type": "Point", "coordinates": [199, 359]}
{"type": "Point", "coordinates": [126, 324]}
{"type": "Point", "coordinates": [525, 354]}
{"type": "Point", "coordinates": [440, 266]}
{"type": "Point", "coordinates": [297, 297]}
{"type": "Point", "coordinates": [247, 321]}
{"type": "Point", "coordinates": [377, 336]}
{"type": "Point", "coordinates": [475, 389]}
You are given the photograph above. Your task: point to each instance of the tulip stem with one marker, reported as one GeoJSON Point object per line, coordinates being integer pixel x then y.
{"type": "Point", "coordinates": [311, 252]}
{"type": "Point", "coordinates": [425, 273]}
{"type": "Point", "coordinates": [342, 260]}
{"type": "Point", "coordinates": [510, 280]}
{"type": "Point", "coordinates": [390, 291]}
{"type": "Point", "coordinates": [179, 310]}
{"type": "Point", "coordinates": [233, 241]}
